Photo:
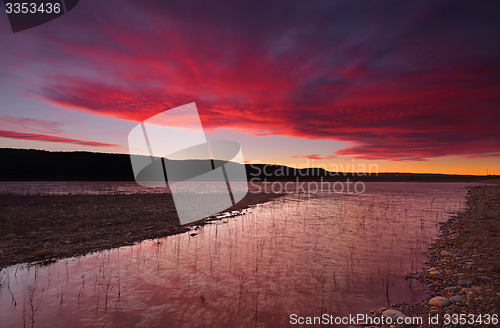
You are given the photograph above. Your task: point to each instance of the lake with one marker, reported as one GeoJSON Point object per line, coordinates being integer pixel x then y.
{"type": "Point", "coordinates": [335, 253]}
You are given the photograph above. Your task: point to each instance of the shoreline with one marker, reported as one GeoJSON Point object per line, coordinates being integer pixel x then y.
{"type": "Point", "coordinates": [40, 229]}
{"type": "Point", "coordinates": [463, 270]}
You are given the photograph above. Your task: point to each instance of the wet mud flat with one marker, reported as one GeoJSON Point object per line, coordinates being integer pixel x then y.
{"type": "Point", "coordinates": [45, 228]}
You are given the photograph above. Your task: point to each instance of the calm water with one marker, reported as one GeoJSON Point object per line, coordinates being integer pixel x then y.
{"type": "Point", "coordinates": [331, 253]}
{"type": "Point", "coordinates": [92, 188]}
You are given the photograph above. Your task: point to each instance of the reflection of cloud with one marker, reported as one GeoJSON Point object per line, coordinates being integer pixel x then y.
{"type": "Point", "coordinates": [398, 81]}
{"type": "Point", "coordinates": [47, 138]}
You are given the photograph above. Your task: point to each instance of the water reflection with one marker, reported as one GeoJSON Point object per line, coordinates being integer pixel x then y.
{"type": "Point", "coordinates": [332, 253]}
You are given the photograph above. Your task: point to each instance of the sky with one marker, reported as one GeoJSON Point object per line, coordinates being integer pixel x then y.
{"type": "Point", "coordinates": [407, 86]}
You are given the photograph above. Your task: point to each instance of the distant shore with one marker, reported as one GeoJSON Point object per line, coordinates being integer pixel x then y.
{"type": "Point", "coordinates": [463, 273]}
{"type": "Point", "coordinates": [46, 228]}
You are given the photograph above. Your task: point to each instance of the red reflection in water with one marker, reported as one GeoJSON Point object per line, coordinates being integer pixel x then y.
{"type": "Point", "coordinates": [330, 253]}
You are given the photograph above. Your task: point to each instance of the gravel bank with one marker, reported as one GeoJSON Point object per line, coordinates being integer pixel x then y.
{"type": "Point", "coordinates": [463, 273]}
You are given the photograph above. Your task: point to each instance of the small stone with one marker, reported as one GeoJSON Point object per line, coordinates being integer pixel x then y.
{"type": "Point", "coordinates": [434, 273]}
{"type": "Point", "coordinates": [453, 289]}
{"type": "Point", "coordinates": [393, 314]}
{"type": "Point", "coordinates": [457, 299]}
{"type": "Point", "coordinates": [439, 301]}
{"type": "Point", "coordinates": [447, 253]}
{"type": "Point", "coordinates": [465, 283]}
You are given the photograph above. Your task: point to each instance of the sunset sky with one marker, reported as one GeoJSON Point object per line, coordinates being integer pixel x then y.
{"type": "Point", "coordinates": [409, 86]}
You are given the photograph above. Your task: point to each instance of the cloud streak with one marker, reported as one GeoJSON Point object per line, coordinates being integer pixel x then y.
{"type": "Point", "coordinates": [32, 123]}
{"type": "Point", "coordinates": [314, 156]}
{"type": "Point", "coordinates": [56, 139]}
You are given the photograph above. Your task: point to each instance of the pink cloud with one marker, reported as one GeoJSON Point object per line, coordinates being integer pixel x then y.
{"type": "Point", "coordinates": [47, 138]}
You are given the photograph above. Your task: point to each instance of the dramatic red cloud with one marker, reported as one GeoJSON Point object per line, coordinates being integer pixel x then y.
{"type": "Point", "coordinates": [402, 82]}
{"type": "Point", "coordinates": [46, 138]}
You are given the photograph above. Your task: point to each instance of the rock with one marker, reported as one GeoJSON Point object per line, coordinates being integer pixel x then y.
{"type": "Point", "coordinates": [439, 301]}
{"type": "Point", "coordinates": [496, 267]}
{"type": "Point", "coordinates": [465, 283]}
{"type": "Point", "coordinates": [432, 269]}
{"type": "Point", "coordinates": [457, 299]}
{"type": "Point", "coordinates": [393, 314]}
{"type": "Point", "coordinates": [434, 273]}
{"type": "Point", "coordinates": [458, 256]}
{"type": "Point", "coordinates": [378, 311]}
{"type": "Point", "coordinates": [452, 289]}
{"type": "Point", "coordinates": [434, 311]}
{"type": "Point", "coordinates": [447, 253]}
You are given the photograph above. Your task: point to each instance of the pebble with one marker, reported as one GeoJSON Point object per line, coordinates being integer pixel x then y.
{"type": "Point", "coordinates": [447, 253]}
{"type": "Point", "coordinates": [476, 289]}
{"type": "Point", "coordinates": [457, 299]}
{"type": "Point", "coordinates": [434, 311]}
{"type": "Point", "coordinates": [439, 301]}
{"type": "Point", "coordinates": [453, 289]}
{"type": "Point", "coordinates": [393, 314]}
{"type": "Point", "coordinates": [465, 283]}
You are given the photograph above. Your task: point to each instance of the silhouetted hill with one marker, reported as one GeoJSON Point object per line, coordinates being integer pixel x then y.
{"type": "Point", "coordinates": [28, 164]}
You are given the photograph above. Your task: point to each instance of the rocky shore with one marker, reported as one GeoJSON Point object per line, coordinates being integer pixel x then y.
{"type": "Point", "coordinates": [45, 228]}
{"type": "Point", "coordinates": [463, 273]}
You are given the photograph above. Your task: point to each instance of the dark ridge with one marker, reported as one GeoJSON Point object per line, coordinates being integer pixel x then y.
{"type": "Point", "coordinates": [41, 165]}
